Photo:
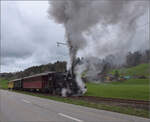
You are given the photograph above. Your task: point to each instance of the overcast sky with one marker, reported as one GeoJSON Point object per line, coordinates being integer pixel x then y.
{"type": "Point", "coordinates": [28, 36]}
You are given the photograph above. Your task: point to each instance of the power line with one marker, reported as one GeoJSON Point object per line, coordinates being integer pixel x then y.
{"type": "Point", "coordinates": [139, 27]}
{"type": "Point", "coordinates": [61, 43]}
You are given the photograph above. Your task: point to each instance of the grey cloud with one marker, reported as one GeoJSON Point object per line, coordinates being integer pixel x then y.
{"type": "Point", "coordinates": [28, 37]}
{"type": "Point", "coordinates": [6, 61]}
{"type": "Point", "coordinates": [14, 34]}
{"type": "Point", "coordinates": [16, 51]}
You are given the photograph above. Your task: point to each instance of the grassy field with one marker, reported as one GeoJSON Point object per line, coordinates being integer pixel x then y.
{"type": "Point", "coordinates": [139, 70]}
{"type": "Point", "coordinates": [131, 89]}
{"type": "Point", "coordinates": [3, 83]}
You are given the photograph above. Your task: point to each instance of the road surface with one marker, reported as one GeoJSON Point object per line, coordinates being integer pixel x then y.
{"type": "Point", "coordinates": [16, 107]}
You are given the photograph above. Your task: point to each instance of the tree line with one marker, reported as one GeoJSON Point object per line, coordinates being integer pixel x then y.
{"type": "Point", "coordinates": [137, 57]}
{"type": "Point", "coordinates": [132, 59]}
{"type": "Point", "coordinates": [58, 66]}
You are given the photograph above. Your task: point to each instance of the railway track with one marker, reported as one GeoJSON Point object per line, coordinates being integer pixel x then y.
{"type": "Point", "coordinates": [116, 101]}
{"type": "Point", "coordinates": [113, 100]}
{"type": "Point", "coordinates": [142, 104]}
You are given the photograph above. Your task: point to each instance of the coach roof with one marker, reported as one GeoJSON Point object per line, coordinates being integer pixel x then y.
{"type": "Point", "coordinates": [14, 80]}
{"type": "Point", "coordinates": [36, 75]}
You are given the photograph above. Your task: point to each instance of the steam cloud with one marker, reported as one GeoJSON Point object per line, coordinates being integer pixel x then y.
{"type": "Point", "coordinates": [91, 21]}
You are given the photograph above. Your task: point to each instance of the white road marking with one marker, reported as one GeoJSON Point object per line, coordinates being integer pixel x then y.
{"type": "Point", "coordinates": [78, 120]}
{"type": "Point", "coordinates": [26, 101]}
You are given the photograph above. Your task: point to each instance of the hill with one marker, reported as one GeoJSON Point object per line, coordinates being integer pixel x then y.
{"type": "Point", "coordinates": [59, 66]}
{"type": "Point", "coordinates": [139, 70]}
{"type": "Point", "coordinates": [133, 88]}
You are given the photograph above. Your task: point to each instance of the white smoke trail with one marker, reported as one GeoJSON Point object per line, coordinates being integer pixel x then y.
{"type": "Point", "coordinates": [82, 16]}
{"type": "Point", "coordinates": [64, 92]}
{"type": "Point", "coordinates": [79, 70]}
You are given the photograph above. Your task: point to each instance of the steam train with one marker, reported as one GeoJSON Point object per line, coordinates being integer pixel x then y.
{"type": "Point", "coordinates": [51, 82]}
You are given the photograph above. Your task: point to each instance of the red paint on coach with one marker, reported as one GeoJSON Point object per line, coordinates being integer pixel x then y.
{"type": "Point", "coordinates": [33, 82]}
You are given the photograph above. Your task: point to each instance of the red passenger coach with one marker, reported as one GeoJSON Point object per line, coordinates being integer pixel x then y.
{"type": "Point", "coordinates": [36, 82]}
{"type": "Point", "coordinates": [33, 83]}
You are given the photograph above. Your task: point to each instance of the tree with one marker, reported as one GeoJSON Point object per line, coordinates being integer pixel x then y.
{"type": "Point", "coordinates": [129, 60]}
{"type": "Point", "coordinates": [116, 74]}
{"type": "Point", "coordinates": [137, 58]}
{"type": "Point", "coordinates": [147, 56]}
{"type": "Point", "coordinates": [133, 59]}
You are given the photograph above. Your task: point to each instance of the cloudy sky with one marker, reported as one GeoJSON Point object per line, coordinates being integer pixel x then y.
{"type": "Point", "coordinates": [28, 36]}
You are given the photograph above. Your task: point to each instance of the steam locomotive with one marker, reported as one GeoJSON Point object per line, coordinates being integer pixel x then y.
{"type": "Point", "coordinates": [57, 83]}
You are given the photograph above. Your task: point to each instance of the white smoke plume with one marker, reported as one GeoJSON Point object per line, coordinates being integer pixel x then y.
{"type": "Point", "coordinates": [82, 17]}
{"type": "Point", "coordinates": [79, 69]}
{"type": "Point", "coordinates": [64, 92]}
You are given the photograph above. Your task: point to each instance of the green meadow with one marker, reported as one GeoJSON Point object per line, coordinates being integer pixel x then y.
{"type": "Point", "coordinates": [130, 89]}
{"type": "Point", "coordinates": [139, 70]}
{"type": "Point", "coordinates": [3, 83]}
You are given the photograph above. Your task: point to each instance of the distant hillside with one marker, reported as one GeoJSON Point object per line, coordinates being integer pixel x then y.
{"type": "Point", "coordinates": [59, 66]}
{"type": "Point", "coordinates": [139, 70]}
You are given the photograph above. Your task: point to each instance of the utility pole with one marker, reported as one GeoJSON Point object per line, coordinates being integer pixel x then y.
{"type": "Point", "coordinates": [61, 43]}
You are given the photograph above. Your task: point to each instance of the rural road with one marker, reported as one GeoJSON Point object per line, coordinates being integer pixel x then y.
{"type": "Point", "coordinates": [16, 107]}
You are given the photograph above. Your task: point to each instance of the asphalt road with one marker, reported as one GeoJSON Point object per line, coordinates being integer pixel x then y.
{"type": "Point", "coordinates": [16, 107]}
